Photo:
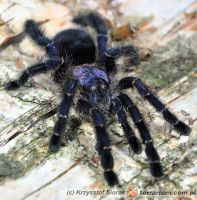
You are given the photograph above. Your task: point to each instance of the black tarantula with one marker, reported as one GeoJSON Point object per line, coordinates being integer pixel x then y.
{"type": "Point", "coordinates": [89, 76]}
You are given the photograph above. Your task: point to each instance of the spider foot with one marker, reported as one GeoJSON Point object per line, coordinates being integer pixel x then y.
{"type": "Point", "coordinates": [182, 128]}
{"type": "Point", "coordinates": [135, 144]}
{"type": "Point", "coordinates": [55, 143]}
{"type": "Point", "coordinates": [35, 32]}
{"type": "Point", "coordinates": [156, 169]}
{"type": "Point", "coordinates": [12, 85]}
{"type": "Point", "coordinates": [111, 178]}
{"type": "Point", "coordinates": [179, 126]}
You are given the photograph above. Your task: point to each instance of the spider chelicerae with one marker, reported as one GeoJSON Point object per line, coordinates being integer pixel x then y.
{"type": "Point", "coordinates": [86, 73]}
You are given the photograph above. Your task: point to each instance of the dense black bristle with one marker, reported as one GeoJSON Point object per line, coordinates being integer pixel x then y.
{"type": "Point", "coordinates": [92, 19]}
{"type": "Point", "coordinates": [35, 32]}
{"type": "Point", "coordinates": [111, 178]}
{"type": "Point", "coordinates": [97, 22]}
{"type": "Point", "coordinates": [107, 160]}
{"type": "Point", "coordinates": [135, 144]}
{"type": "Point", "coordinates": [169, 117]}
{"type": "Point", "coordinates": [128, 51]}
{"type": "Point", "coordinates": [55, 143]}
{"type": "Point", "coordinates": [12, 85]}
{"type": "Point", "coordinates": [32, 28]}
{"type": "Point", "coordinates": [156, 169]}
{"type": "Point", "coordinates": [102, 136]}
{"type": "Point", "coordinates": [30, 25]}
{"type": "Point", "coordinates": [182, 128]}
{"type": "Point", "coordinates": [151, 152]}
{"type": "Point", "coordinates": [110, 64]}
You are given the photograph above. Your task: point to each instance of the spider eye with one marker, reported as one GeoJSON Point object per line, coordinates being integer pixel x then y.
{"type": "Point", "coordinates": [103, 86]}
{"type": "Point", "coordinates": [93, 88]}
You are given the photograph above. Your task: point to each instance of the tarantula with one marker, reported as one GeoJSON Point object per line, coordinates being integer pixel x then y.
{"type": "Point", "coordinates": [87, 72]}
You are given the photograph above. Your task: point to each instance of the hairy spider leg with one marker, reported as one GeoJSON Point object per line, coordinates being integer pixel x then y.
{"type": "Point", "coordinates": [151, 153]}
{"type": "Point", "coordinates": [96, 83]}
{"type": "Point", "coordinates": [133, 141]}
{"type": "Point", "coordinates": [37, 35]}
{"type": "Point", "coordinates": [60, 126]}
{"type": "Point", "coordinates": [33, 70]}
{"type": "Point", "coordinates": [179, 126]}
{"type": "Point", "coordinates": [114, 53]}
{"type": "Point", "coordinates": [103, 141]}
{"type": "Point", "coordinates": [95, 21]}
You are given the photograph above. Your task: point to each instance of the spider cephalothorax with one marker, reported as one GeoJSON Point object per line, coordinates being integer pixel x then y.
{"type": "Point", "coordinates": [88, 70]}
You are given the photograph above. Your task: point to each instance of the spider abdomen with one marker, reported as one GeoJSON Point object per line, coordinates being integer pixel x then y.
{"type": "Point", "coordinates": [77, 44]}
